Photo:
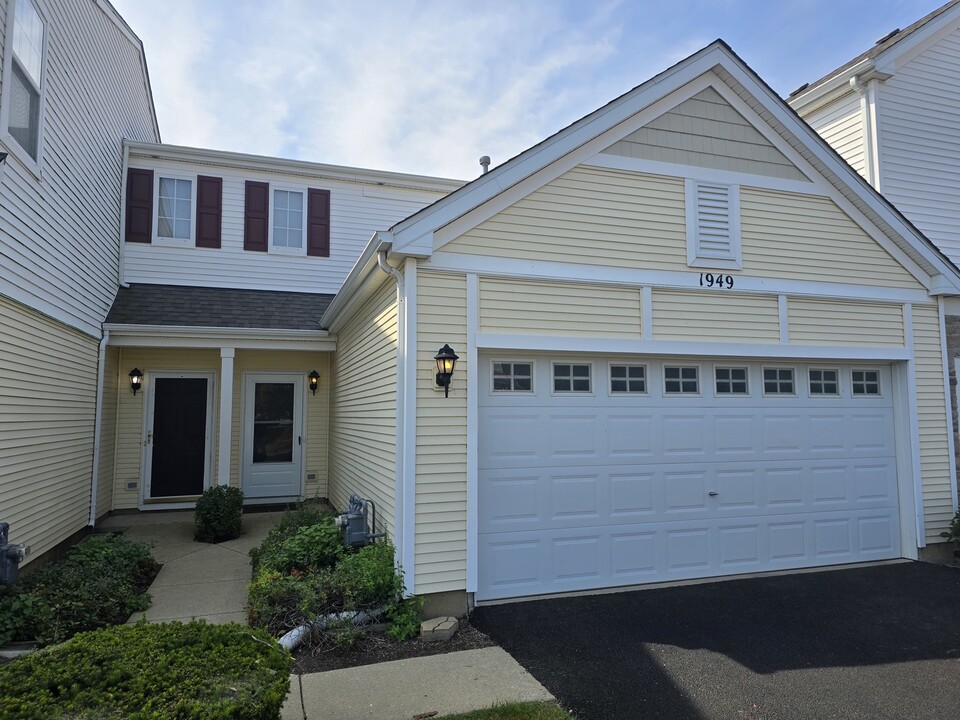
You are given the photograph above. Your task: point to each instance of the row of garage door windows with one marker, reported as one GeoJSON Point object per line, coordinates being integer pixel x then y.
{"type": "Point", "coordinates": [683, 380]}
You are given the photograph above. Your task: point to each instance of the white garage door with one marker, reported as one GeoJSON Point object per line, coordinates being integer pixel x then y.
{"type": "Point", "coordinates": [599, 473]}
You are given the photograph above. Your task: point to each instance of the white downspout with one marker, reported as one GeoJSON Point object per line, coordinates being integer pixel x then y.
{"type": "Point", "coordinates": [97, 422]}
{"type": "Point", "coordinates": [398, 519]}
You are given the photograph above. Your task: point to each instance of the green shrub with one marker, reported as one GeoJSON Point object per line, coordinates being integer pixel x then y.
{"type": "Point", "coordinates": [368, 577]}
{"type": "Point", "coordinates": [289, 524]}
{"type": "Point", "coordinates": [151, 672]}
{"type": "Point", "coordinates": [404, 617]}
{"type": "Point", "coordinates": [100, 582]}
{"type": "Point", "coordinates": [218, 514]}
{"type": "Point", "coordinates": [310, 548]}
{"type": "Point", "coordinates": [953, 532]}
{"type": "Point", "coordinates": [278, 602]}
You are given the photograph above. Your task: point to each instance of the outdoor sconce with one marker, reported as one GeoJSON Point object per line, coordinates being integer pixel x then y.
{"type": "Point", "coordinates": [136, 380]}
{"type": "Point", "coordinates": [314, 381]}
{"type": "Point", "coordinates": [446, 362]}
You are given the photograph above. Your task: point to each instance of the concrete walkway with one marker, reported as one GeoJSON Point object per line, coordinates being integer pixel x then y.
{"type": "Point", "coordinates": [199, 580]}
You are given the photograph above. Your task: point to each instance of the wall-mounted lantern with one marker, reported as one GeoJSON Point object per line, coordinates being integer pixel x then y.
{"type": "Point", "coordinates": [446, 362]}
{"type": "Point", "coordinates": [314, 377]}
{"type": "Point", "coordinates": [136, 380]}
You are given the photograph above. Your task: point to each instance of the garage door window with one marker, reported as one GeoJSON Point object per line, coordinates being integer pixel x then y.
{"type": "Point", "coordinates": [512, 377]}
{"type": "Point", "coordinates": [570, 378]}
{"type": "Point", "coordinates": [824, 382]}
{"type": "Point", "coordinates": [628, 379]}
{"type": "Point", "coordinates": [731, 381]}
{"type": "Point", "coordinates": [778, 381]}
{"type": "Point", "coordinates": [681, 380]}
{"type": "Point", "coordinates": [866, 382]}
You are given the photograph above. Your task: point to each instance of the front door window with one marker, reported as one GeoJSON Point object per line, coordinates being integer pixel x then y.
{"type": "Point", "coordinates": [273, 423]}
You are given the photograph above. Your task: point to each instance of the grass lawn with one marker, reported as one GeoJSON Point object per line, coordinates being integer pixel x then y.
{"type": "Point", "coordinates": [516, 711]}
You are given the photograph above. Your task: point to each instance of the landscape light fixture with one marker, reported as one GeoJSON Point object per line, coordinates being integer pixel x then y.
{"type": "Point", "coordinates": [314, 381]}
{"type": "Point", "coordinates": [446, 362]}
{"type": "Point", "coordinates": [136, 380]}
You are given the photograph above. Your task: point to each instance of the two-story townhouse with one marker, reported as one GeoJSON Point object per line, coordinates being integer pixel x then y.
{"type": "Point", "coordinates": [893, 113]}
{"type": "Point", "coordinates": [73, 85]}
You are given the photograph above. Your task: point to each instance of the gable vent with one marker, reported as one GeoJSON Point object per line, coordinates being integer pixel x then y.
{"type": "Point", "coordinates": [713, 224]}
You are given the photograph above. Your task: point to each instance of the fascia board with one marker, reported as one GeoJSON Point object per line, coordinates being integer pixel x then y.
{"type": "Point", "coordinates": [127, 329]}
{"type": "Point", "coordinates": [356, 278]}
{"type": "Point", "coordinates": [516, 170]}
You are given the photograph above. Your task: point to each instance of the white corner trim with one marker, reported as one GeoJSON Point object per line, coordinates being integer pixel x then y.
{"type": "Point", "coordinates": [784, 313]}
{"type": "Point", "coordinates": [97, 425]}
{"type": "Point", "coordinates": [949, 404]}
{"type": "Point", "coordinates": [409, 420]}
{"type": "Point", "coordinates": [646, 312]}
{"type": "Point", "coordinates": [914, 418]}
{"type": "Point", "coordinates": [473, 428]}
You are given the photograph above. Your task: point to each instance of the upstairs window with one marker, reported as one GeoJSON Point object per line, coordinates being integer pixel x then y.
{"type": "Point", "coordinates": [23, 113]}
{"type": "Point", "coordinates": [287, 225]}
{"type": "Point", "coordinates": [713, 225]}
{"type": "Point", "coordinates": [175, 209]}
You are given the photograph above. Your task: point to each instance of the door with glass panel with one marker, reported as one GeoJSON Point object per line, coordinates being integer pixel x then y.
{"type": "Point", "coordinates": [272, 436]}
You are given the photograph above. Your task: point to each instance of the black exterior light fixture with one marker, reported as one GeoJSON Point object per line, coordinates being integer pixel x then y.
{"type": "Point", "coordinates": [446, 362]}
{"type": "Point", "coordinates": [314, 377]}
{"type": "Point", "coordinates": [136, 380]}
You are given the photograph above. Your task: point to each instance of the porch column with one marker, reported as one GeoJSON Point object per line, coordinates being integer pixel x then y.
{"type": "Point", "coordinates": [226, 415]}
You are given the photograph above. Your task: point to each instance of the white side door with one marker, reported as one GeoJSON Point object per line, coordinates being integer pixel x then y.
{"type": "Point", "coordinates": [272, 465]}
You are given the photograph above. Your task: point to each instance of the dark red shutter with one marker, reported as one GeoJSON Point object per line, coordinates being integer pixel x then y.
{"type": "Point", "coordinates": [209, 211]}
{"type": "Point", "coordinates": [318, 223]}
{"type": "Point", "coordinates": [139, 225]}
{"type": "Point", "coordinates": [256, 212]}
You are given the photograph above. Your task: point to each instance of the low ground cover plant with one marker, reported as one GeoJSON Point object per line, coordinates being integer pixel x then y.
{"type": "Point", "coordinates": [302, 572]}
{"type": "Point", "coordinates": [155, 671]}
{"type": "Point", "coordinates": [217, 515]}
{"type": "Point", "coordinates": [101, 581]}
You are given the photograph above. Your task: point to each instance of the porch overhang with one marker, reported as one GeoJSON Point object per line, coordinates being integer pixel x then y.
{"type": "Point", "coordinates": [183, 336]}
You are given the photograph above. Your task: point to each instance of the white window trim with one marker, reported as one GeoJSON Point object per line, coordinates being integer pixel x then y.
{"type": "Point", "coordinates": [820, 368]}
{"type": "Point", "coordinates": [6, 139]}
{"type": "Point", "coordinates": [567, 393]}
{"type": "Point", "coordinates": [174, 242]}
{"type": "Point", "coordinates": [271, 248]}
{"type": "Point", "coordinates": [627, 392]}
{"type": "Point", "coordinates": [533, 376]}
{"type": "Point", "coordinates": [694, 258]}
{"type": "Point", "coordinates": [682, 366]}
{"type": "Point", "coordinates": [746, 379]}
{"type": "Point", "coordinates": [763, 382]}
{"type": "Point", "coordinates": [863, 396]}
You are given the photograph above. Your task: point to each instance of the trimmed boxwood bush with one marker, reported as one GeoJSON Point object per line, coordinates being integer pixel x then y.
{"type": "Point", "coordinates": [101, 581]}
{"type": "Point", "coordinates": [218, 514]}
{"type": "Point", "coordinates": [161, 671]}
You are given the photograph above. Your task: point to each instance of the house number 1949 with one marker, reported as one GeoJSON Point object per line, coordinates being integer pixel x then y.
{"type": "Point", "coordinates": [721, 282]}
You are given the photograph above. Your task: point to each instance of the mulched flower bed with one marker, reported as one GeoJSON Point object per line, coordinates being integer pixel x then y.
{"type": "Point", "coordinates": [322, 655]}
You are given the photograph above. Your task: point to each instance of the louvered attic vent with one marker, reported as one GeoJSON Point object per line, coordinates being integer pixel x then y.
{"type": "Point", "coordinates": [713, 225]}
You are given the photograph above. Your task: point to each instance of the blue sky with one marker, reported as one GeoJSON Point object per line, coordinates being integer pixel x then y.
{"type": "Point", "coordinates": [427, 87]}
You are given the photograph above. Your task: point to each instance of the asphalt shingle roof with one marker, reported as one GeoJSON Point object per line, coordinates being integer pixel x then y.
{"type": "Point", "coordinates": [179, 305]}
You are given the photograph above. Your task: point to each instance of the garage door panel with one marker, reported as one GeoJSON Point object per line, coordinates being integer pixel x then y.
{"type": "Point", "coordinates": [574, 437]}
{"type": "Point", "coordinates": [574, 498]}
{"type": "Point", "coordinates": [684, 436]}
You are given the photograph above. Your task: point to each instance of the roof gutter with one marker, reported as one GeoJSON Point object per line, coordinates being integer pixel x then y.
{"type": "Point", "coordinates": [366, 264]}
{"type": "Point", "coordinates": [837, 86]}
{"type": "Point", "coordinates": [97, 424]}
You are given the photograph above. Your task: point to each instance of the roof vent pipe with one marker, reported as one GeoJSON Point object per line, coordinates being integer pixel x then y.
{"type": "Point", "coordinates": [485, 163]}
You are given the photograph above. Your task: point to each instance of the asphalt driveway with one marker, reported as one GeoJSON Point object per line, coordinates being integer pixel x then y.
{"type": "Point", "coordinates": [873, 642]}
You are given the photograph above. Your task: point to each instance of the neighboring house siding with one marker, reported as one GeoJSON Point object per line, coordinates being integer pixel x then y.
{"type": "Point", "coordinates": [108, 429]}
{"type": "Point", "coordinates": [841, 124]}
{"type": "Point", "coordinates": [363, 404]}
{"type": "Point", "coordinates": [723, 318]}
{"type": "Point", "coordinates": [827, 322]}
{"type": "Point", "coordinates": [938, 506]}
{"type": "Point", "coordinates": [441, 504]}
{"type": "Point", "coordinates": [59, 237]}
{"type": "Point", "coordinates": [546, 308]}
{"type": "Point", "coordinates": [356, 211]}
{"type": "Point", "coordinates": [705, 131]}
{"type": "Point", "coordinates": [48, 378]}
{"type": "Point", "coordinates": [594, 216]}
{"type": "Point", "coordinates": [919, 132]}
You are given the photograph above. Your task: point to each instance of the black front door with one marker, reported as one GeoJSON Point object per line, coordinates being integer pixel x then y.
{"type": "Point", "coordinates": [179, 437]}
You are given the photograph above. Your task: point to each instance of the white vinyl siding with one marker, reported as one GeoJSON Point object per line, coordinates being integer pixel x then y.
{"type": "Point", "coordinates": [829, 322]}
{"type": "Point", "coordinates": [931, 406]}
{"type": "Point", "coordinates": [48, 379]}
{"type": "Point", "coordinates": [356, 212]}
{"type": "Point", "coordinates": [550, 308]}
{"type": "Point", "coordinates": [60, 237]}
{"type": "Point", "coordinates": [841, 124]}
{"type": "Point", "coordinates": [363, 435]}
{"type": "Point", "coordinates": [441, 513]}
{"type": "Point", "coordinates": [715, 315]}
{"type": "Point", "coordinates": [918, 115]}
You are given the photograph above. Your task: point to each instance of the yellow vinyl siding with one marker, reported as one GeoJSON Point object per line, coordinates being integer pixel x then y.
{"type": "Point", "coordinates": [317, 409]}
{"type": "Point", "coordinates": [363, 442]}
{"type": "Point", "coordinates": [130, 410]}
{"type": "Point", "coordinates": [108, 430]}
{"type": "Point", "coordinates": [806, 237]}
{"type": "Point", "coordinates": [932, 415]}
{"type": "Point", "coordinates": [705, 131]}
{"type": "Point", "coordinates": [715, 315]}
{"type": "Point", "coordinates": [590, 216]}
{"type": "Point", "coordinates": [441, 504]}
{"type": "Point", "coordinates": [549, 308]}
{"type": "Point", "coordinates": [829, 322]}
{"type": "Point", "coordinates": [48, 385]}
